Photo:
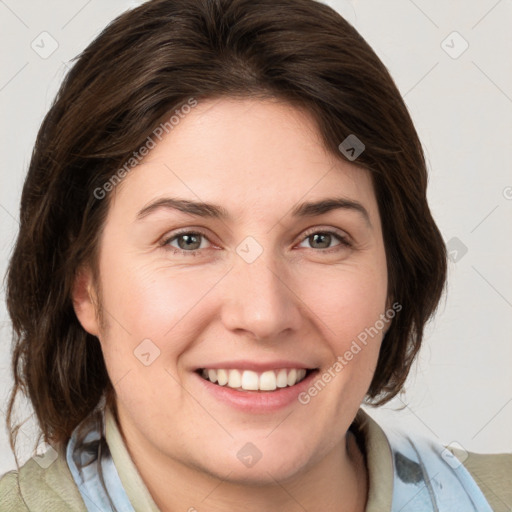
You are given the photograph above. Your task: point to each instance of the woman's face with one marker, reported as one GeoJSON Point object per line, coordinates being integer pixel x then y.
{"type": "Point", "coordinates": [253, 293]}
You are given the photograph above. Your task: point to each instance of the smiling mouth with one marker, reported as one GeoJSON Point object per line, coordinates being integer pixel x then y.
{"type": "Point", "coordinates": [248, 380]}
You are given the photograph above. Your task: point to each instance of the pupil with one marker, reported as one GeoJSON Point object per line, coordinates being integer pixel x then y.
{"type": "Point", "coordinates": [316, 236]}
{"type": "Point", "coordinates": [189, 239]}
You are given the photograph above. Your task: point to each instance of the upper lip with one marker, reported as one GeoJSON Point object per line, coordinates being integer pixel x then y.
{"type": "Point", "coordinates": [256, 366]}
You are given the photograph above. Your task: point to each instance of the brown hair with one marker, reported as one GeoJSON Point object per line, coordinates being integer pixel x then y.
{"type": "Point", "coordinates": [144, 65]}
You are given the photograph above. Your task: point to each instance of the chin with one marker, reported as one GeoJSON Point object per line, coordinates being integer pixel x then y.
{"type": "Point", "coordinates": [262, 473]}
{"type": "Point", "coordinates": [248, 465]}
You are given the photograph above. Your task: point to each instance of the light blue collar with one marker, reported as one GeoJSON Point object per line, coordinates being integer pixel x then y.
{"type": "Point", "coordinates": [427, 477]}
{"type": "Point", "coordinates": [84, 460]}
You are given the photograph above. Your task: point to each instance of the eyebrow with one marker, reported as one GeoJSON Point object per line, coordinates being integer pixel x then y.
{"type": "Point", "coordinates": [214, 211]}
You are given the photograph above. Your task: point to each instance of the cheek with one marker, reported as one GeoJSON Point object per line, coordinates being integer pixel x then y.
{"type": "Point", "coordinates": [349, 305]}
{"type": "Point", "coordinates": [152, 316]}
{"type": "Point", "coordinates": [156, 302]}
{"type": "Point", "coordinates": [348, 301]}
{"type": "Point", "coordinates": [348, 311]}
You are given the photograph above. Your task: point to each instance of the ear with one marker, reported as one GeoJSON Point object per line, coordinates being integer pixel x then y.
{"type": "Point", "coordinates": [85, 302]}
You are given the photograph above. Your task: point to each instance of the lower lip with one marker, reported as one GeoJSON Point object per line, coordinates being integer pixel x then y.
{"type": "Point", "coordinates": [258, 401]}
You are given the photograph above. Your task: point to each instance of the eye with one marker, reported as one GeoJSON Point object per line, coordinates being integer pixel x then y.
{"type": "Point", "coordinates": [189, 242]}
{"type": "Point", "coordinates": [322, 239]}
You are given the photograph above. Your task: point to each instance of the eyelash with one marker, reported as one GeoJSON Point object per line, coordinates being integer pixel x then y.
{"type": "Point", "coordinates": [344, 241]}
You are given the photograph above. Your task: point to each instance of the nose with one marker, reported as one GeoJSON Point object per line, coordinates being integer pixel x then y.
{"type": "Point", "coordinates": [259, 299]}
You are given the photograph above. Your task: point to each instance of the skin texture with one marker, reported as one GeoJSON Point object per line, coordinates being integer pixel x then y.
{"type": "Point", "coordinates": [258, 159]}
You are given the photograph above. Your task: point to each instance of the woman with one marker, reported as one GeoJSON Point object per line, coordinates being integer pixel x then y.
{"type": "Point", "coordinates": [184, 342]}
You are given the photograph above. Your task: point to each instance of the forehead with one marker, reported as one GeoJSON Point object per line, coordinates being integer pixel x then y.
{"type": "Point", "coordinates": [252, 156]}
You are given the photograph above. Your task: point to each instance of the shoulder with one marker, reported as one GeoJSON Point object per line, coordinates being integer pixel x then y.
{"type": "Point", "coordinates": [492, 473]}
{"type": "Point", "coordinates": [387, 453]}
{"type": "Point", "coordinates": [41, 484]}
{"type": "Point", "coordinates": [10, 497]}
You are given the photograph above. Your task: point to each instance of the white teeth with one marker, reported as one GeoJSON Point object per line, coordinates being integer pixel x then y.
{"type": "Point", "coordinates": [249, 380]}
{"type": "Point", "coordinates": [282, 378]}
{"type": "Point", "coordinates": [268, 381]}
{"type": "Point", "coordinates": [292, 377]}
{"type": "Point", "coordinates": [235, 379]}
{"type": "Point", "coordinates": [222, 377]}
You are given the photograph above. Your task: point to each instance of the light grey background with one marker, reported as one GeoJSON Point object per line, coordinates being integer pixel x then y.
{"type": "Point", "coordinates": [461, 389]}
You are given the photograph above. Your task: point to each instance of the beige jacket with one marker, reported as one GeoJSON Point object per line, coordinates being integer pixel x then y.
{"type": "Point", "coordinates": [37, 489]}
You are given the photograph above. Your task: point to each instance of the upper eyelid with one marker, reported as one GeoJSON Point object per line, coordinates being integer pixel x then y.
{"type": "Point", "coordinates": [336, 231]}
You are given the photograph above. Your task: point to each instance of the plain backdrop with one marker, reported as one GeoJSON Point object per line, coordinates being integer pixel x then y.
{"type": "Point", "coordinates": [451, 62]}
